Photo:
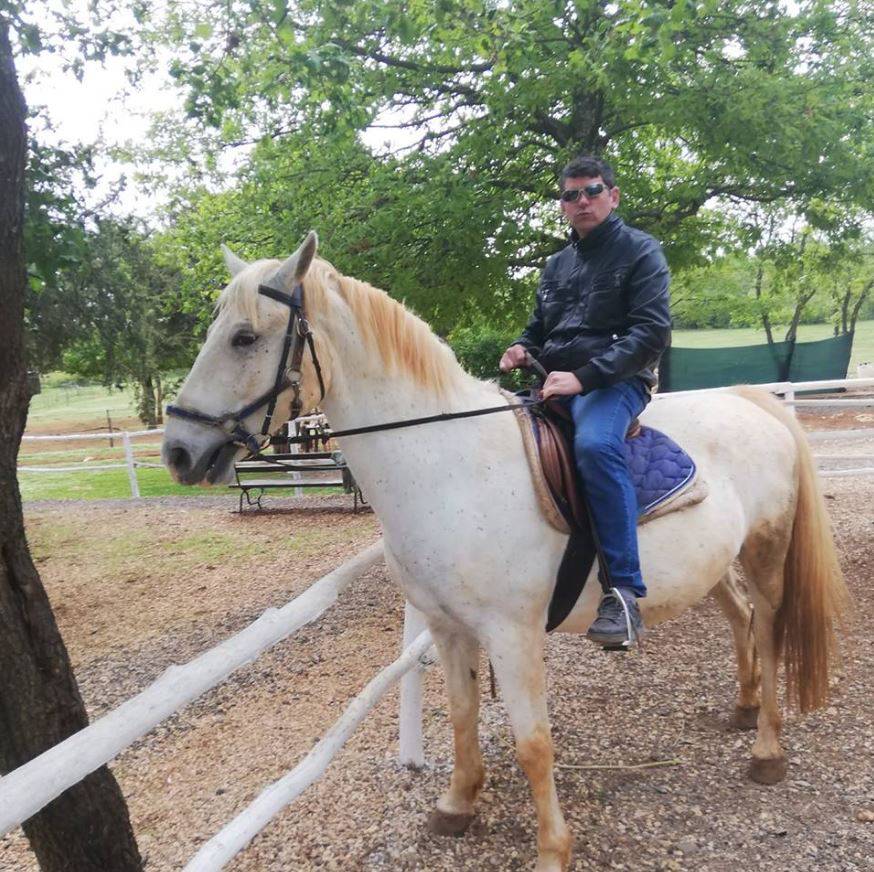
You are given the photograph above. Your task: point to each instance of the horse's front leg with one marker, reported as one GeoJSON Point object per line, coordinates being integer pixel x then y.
{"type": "Point", "coordinates": [517, 656]}
{"type": "Point", "coordinates": [459, 654]}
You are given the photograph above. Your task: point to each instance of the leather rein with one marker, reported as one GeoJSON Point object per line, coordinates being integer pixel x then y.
{"type": "Point", "coordinates": [298, 335]}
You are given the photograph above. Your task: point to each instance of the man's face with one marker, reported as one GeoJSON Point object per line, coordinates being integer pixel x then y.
{"type": "Point", "coordinates": [586, 212]}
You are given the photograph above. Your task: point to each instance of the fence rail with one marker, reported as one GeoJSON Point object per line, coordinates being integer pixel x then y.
{"type": "Point", "coordinates": [130, 462]}
{"type": "Point", "coordinates": [29, 788]}
{"type": "Point", "coordinates": [233, 837]}
{"type": "Point", "coordinates": [787, 389]}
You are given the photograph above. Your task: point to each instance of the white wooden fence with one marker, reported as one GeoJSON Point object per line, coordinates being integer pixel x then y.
{"type": "Point", "coordinates": [130, 463]}
{"type": "Point", "coordinates": [788, 390]}
{"type": "Point", "coordinates": [29, 788]}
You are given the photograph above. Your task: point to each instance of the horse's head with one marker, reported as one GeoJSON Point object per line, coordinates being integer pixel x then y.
{"type": "Point", "coordinates": [253, 368]}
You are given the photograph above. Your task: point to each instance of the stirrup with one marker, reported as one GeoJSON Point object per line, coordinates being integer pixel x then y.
{"type": "Point", "coordinates": [630, 635]}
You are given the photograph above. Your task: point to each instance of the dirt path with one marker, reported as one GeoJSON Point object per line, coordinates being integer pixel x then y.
{"type": "Point", "coordinates": [138, 586]}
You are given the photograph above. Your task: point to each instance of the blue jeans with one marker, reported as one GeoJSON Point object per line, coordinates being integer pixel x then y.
{"type": "Point", "coordinates": [601, 420]}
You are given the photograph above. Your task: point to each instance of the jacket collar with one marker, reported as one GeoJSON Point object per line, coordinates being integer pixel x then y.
{"type": "Point", "coordinates": [608, 228]}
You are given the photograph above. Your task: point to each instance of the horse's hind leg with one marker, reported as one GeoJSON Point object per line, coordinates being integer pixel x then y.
{"type": "Point", "coordinates": [459, 654]}
{"type": "Point", "coordinates": [517, 656]}
{"type": "Point", "coordinates": [762, 557]}
{"type": "Point", "coordinates": [732, 600]}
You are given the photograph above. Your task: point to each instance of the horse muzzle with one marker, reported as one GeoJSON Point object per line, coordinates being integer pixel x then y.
{"type": "Point", "coordinates": [211, 465]}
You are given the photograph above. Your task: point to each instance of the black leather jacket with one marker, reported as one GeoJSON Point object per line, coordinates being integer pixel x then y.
{"type": "Point", "coordinates": [602, 309]}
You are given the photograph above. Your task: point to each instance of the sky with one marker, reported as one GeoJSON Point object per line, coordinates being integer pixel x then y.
{"type": "Point", "coordinates": [102, 108]}
{"type": "Point", "coordinates": [99, 108]}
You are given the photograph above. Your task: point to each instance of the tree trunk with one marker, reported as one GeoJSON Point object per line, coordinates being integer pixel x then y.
{"type": "Point", "coordinates": [845, 308]}
{"type": "Point", "coordinates": [800, 304]}
{"type": "Point", "coordinates": [159, 400]}
{"type": "Point", "coordinates": [766, 320]}
{"type": "Point", "coordinates": [858, 306]}
{"type": "Point", "coordinates": [87, 828]}
{"type": "Point", "coordinates": [146, 411]}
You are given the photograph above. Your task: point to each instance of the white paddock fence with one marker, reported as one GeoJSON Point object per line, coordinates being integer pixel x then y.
{"type": "Point", "coordinates": [29, 788]}
{"type": "Point", "coordinates": [130, 463]}
{"type": "Point", "coordinates": [787, 390]}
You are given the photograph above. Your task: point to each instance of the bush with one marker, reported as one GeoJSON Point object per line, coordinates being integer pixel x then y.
{"type": "Point", "coordinates": [479, 347]}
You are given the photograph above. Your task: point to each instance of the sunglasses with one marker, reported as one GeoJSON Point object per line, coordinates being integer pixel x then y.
{"type": "Point", "coordinates": [571, 195]}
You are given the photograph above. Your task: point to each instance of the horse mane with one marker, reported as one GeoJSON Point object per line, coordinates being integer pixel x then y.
{"type": "Point", "coordinates": [406, 344]}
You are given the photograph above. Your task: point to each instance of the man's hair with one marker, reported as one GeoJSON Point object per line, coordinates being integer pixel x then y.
{"type": "Point", "coordinates": [587, 166]}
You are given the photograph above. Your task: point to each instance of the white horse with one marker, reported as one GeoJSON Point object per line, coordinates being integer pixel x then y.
{"type": "Point", "coordinates": [465, 539]}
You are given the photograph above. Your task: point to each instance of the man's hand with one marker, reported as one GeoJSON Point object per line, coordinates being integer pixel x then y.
{"type": "Point", "coordinates": [514, 356]}
{"type": "Point", "coordinates": [561, 384]}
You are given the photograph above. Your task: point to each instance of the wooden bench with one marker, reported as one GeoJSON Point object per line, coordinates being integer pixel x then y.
{"type": "Point", "coordinates": [311, 469]}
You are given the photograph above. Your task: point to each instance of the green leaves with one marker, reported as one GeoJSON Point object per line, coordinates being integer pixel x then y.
{"type": "Point", "coordinates": [705, 108]}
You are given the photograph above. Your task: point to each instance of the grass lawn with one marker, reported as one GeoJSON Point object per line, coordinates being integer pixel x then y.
{"type": "Point", "coordinates": [63, 402]}
{"type": "Point", "coordinates": [65, 406]}
{"type": "Point", "coordinates": [863, 341]}
{"type": "Point", "coordinates": [113, 484]}
{"type": "Point", "coordinates": [100, 485]}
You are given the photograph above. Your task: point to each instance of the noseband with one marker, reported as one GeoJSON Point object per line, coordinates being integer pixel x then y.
{"type": "Point", "coordinates": [297, 334]}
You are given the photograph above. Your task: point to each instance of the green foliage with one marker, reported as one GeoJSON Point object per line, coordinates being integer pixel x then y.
{"type": "Point", "coordinates": [703, 109]}
{"type": "Point", "coordinates": [130, 327]}
{"type": "Point", "coordinates": [479, 348]}
{"type": "Point", "coordinates": [54, 242]}
{"type": "Point", "coordinates": [802, 278]}
{"type": "Point", "coordinates": [718, 294]}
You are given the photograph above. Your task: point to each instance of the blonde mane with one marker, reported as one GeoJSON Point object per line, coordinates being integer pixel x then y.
{"type": "Point", "coordinates": [405, 343]}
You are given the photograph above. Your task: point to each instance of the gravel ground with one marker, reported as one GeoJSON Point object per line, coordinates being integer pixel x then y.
{"type": "Point", "coordinates": [193, 773]}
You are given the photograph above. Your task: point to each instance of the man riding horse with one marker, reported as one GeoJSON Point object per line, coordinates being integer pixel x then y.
{"type": "Point", "coordinates": [600, 324]}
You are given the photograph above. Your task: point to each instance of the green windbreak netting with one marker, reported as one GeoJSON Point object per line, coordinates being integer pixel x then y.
{"type": "Point", "coordinates": [825, 359]}
{"type": "Point", "coordinates": [684, 369]}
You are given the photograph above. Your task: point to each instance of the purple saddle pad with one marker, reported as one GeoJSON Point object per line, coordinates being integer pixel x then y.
{"type": "Point", "coordinates": [659, 468]}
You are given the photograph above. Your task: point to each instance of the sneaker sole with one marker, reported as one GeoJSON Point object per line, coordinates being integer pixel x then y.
{"type": "Point", "coordinates": [616, 640]}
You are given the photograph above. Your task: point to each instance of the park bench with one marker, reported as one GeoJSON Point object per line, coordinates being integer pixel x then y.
{"type": "Point", "coordinates": [311, 469]}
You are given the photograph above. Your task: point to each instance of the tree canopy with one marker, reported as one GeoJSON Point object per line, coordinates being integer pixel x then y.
{"type": "Point", "coordinates": [705, 109]}
{"type": "Point", "coordinates": [423, 140]}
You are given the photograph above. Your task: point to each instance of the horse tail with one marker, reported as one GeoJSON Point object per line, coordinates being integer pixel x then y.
{"type": "Point", "coordinates": [814, 592]}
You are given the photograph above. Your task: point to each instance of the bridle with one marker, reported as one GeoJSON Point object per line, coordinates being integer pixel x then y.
{"type": "Point", "coordinates": [288, 375]}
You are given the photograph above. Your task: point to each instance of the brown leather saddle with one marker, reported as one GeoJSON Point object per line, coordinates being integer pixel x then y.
{"type": "Point", "coordinates": [554, 434]}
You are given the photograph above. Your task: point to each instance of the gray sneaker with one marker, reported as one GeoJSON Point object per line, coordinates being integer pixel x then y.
{"type": "Point", "coordinates": [619, 624]}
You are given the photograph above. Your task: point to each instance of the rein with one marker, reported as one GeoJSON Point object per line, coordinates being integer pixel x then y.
{"type": "Point", "coordinates": [530, 363]}
{"type": "Point", "coordinates": [412, 422]}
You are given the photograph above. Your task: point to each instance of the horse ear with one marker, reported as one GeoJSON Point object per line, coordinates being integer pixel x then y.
{"type": "Point", "coordinates": [295, 267]}
{"type": "Point", "coordinates": [234, 264]}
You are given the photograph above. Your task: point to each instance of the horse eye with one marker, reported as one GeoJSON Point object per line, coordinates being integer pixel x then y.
{"type": "Point", "coordinates": [242, 339]}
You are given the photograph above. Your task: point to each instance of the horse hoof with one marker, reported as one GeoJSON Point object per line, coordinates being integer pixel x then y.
{"type": "Point", "coordinates": [444, 823]}
{"type": "Point", "coordinates": [745, 717]}
{"type": "Point", "coordinates": [769, 770]}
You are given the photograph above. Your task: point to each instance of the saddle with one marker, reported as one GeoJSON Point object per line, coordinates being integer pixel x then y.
{"type": "Point", "coordinates": [664, 477]}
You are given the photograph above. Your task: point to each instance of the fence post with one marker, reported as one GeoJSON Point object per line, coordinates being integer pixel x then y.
{"type": "Point", "coordinates": [131, 469]}
{"type": "Point", "coordinates": [410, 744]}
{"type": "Point", "coordinates": [296, 476]}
